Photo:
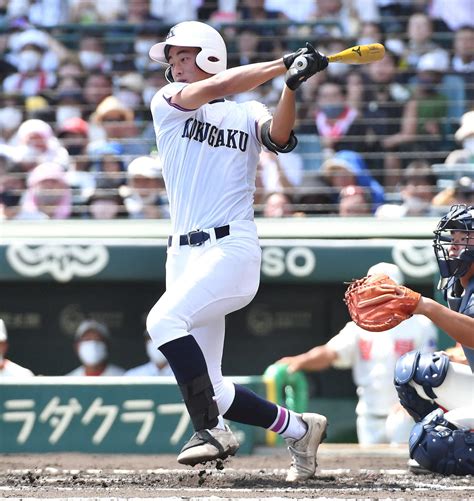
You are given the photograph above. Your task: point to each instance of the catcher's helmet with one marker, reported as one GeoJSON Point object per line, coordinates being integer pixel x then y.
{"type": "Point", "coordinates": [459, 218]}
{"type": "Point", "coordinates": [213, 55]}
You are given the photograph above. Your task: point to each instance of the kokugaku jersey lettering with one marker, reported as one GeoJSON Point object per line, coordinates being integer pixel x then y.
{"type": "Point", "coordinates": [211, 154]}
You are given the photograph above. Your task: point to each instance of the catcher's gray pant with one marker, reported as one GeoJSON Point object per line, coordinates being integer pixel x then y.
{"type": "Point", "coordinates": [203, 284]}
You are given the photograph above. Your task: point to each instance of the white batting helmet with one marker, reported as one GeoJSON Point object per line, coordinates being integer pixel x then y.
{"type": "Point", "coordinates": [213, 55]}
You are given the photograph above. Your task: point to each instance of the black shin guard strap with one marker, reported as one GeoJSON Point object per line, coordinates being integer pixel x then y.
{"type": "Point", "coordinates": [198, 396]}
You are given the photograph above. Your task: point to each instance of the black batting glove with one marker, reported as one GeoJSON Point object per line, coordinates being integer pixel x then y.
{"type": "Point", "coordinates": [304, 66]}
{"type": "Point", "coordinates": [289, 59]}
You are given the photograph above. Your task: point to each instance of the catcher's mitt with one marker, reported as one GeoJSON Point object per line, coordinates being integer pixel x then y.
{"type": "Point", "coordinates": [377, 303]}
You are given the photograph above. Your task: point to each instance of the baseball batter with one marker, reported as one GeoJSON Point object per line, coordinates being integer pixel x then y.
{"type": "Point", "coordinates": [210, 147]}
{"type": "Point", "coordinates": [436, 392]}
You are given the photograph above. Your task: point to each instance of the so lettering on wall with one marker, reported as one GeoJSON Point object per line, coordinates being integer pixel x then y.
{"type": "Point", "coordinates": [62, 262]}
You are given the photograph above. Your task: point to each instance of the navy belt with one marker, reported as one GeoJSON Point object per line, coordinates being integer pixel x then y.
{"type": "Point", "coordinates": [198, 237]}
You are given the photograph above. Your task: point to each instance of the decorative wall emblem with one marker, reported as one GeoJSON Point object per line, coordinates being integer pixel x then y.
{"type": "Point", "coordinates": [62, 262]}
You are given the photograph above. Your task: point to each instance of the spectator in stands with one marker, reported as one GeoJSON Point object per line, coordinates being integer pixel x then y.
{"type": "Point", "coordinates": [370, 32]}
{"type": "Point", "coordinates": [418, 187]}
{"type": "Point", "coordinates": [91, 53]}
{"type": "Point", "coordinates": [337, 124]}
{"type": "Point", "coordinates": [146, 37]}
{"type": "Point", "coordinates": [277, 174]}
{"type": "Point", "coordinates": [423, 117]}
{"type": "Point", "coordinates": [157, 364]}
{"type": "Point", "coordinates": [462, 61]}
{"type": "Point", "coordinates": [11, 117]}
{"type": "Point", "coordinates": [106, 204]}
{"type": "Point", "coordinates": [138, 12]}
{"type": "Point", "coordinates": [12, 186]}
{"type": "Point", "coordinates": [107, 164]}
{"type": "Point", "coordinates": [463, 50]}
{"type": "Point", "coordinates": [7, 367]}
{"type": "Point", "coordinates": [315, 196]}
{"type": "Point", "coordinates": [278, 204]}
{"type": "Point", "coordinates": [460, 192]}
{"type": "Point", "coordinates": [394, 14]}
{"type": "Point", "coordinates": [118, 123]}
{"type": "Point", "coordinates": [465, 136]}
{"type": "Point", "coordinates": [420, 40]}
{"type": "Point", "coordinates": [73, 134]}
{"type": "Point", "coordinates": [452, 18]}
{"type": "Point", "coordinates": [256, 11]}
{"type": "Point", "coordinates": [48, 196]}
{"type": "Point", "coordinates": [347, 168]}
{"type": "Point", "coordinates": [129, 89]}
{"type": "Point", "coordinates": [381, 101]}
{"type": "Point", "coordinates": [70, 67]}
{"type": "Point", "coordinates": [31, 79]}
{"type": "Point", "coordinates": [36, 141]}
{"type": "Point", "coordinates": [85, 12]}
{"type": "Point", "coordinates": [97, 86]}
{"type": "Point", "coordinates": [334, 19]}
{"type": "Point", "coordinates": [92, 344]}
{"type": "Point", "coordinates": [68, 100]}
{"type": "Point", "coordinates": [145, 194]}
{"type": "Point", "coordinates": [355, 201]}
{"type": "Point", "coordinates": [48, 13]}
{"type": "Point", "coordinates": [372, 357]}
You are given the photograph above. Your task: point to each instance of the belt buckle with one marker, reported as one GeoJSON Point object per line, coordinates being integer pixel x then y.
{"type": "Point", "coordinates": [190, 238]}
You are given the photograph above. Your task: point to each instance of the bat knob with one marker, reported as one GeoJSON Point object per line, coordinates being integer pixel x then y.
{"type": "Point", "coordinates": [300, 62]}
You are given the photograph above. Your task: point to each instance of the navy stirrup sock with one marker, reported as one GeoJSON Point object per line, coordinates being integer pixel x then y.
{"type": "Point", "coordinates": [190, 369]}
{"type": "Point", "coordinates": [248, 408]}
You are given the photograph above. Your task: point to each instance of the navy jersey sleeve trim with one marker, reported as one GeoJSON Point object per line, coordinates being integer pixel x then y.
{"type": "Point", "coordinates": [177, 106]}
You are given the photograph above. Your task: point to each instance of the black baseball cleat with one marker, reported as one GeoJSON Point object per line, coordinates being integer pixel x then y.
{"type": "Point", "coordinates": [208, 445]}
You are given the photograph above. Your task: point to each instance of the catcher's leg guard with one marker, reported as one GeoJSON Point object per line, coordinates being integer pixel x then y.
{"type": "Point", "coordinates": [198, 396]}
{"type": "Point", "coordinates": [426, 369]}
{"type": "Point", "coordinates": [441, 447]}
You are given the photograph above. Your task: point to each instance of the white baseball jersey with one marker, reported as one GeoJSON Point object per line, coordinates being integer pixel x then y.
{"type": "Point", "coordinates": [11, 369]}
{"type": "Point", "coordinates": [209, 159]}
{"type": "Point", "coordinates": [373, 355]}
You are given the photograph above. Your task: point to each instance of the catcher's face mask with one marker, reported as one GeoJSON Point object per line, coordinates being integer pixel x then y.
{"type": "Point", "coordinates": [454, 243]}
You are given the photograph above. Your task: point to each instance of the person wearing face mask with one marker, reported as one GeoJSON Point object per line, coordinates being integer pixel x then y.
{"type": "Point", "coordinates": [7, 367]}
{"type": "Point", "coordinates": [30, 79]}
{"type": "Point", "coordinates": [337, 123]}
{"type": "Point", "coordinates": [91, 53]}
{"type": "Point", "coordinates": [91, 344]}
{"type": "Point", "coordinates": [48, 196]}
{"type": "Point", "coordinates": [145, 195]}
{"type": "Point", "coordinates": [157, 364]}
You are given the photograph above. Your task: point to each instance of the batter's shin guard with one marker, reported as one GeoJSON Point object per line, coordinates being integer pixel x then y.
{"type": "Point", "coordinates": [198, 396]}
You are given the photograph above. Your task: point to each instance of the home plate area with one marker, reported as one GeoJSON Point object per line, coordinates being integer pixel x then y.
{"type": "Point", "coordinates": [345, 471]}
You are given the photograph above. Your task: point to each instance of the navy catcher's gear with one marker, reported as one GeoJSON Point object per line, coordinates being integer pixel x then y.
{"type": "Point", "coordinates": [459, 218]}
{"type": "Point", "coordinates": [441, 447]}
{"type": "Point", "coordinates": [275, 148]}
{"type": "Point", "coordinates": [428, 370]}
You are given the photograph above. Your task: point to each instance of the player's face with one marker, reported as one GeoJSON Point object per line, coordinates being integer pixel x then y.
{"type": "Point", "coordinates": [183, 64]}
{"type": "Point", "coordinates": [461, 239]}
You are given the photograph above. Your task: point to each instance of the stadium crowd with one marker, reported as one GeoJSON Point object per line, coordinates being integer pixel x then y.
{"type": "Point", "coordinates": [389, 139]}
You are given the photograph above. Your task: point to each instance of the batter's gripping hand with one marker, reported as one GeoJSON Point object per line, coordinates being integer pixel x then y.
{"type": "Point", "coordinates": [305, 64]}
{"type": "Point", "coordinates": [377, 303]}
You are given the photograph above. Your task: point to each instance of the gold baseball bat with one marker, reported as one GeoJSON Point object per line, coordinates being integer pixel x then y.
{"type": "Point", "coordinates": [359, 54]}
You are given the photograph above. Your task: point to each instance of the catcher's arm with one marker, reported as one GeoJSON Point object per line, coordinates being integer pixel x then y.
{"type": "Point", "coordinates": [457, 325]}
